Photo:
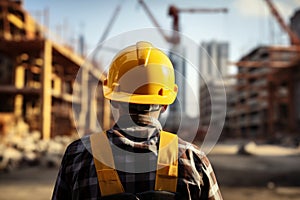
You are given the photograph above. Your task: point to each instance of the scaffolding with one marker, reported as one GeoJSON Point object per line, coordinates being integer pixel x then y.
{"type": "Point", "coordinates": [37, 78]}
{"type": "Point", "coordinates": [268, 88]}
{"type": "Point", "coordinates": [267, 93]}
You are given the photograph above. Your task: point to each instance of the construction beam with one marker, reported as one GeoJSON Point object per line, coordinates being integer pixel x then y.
{"type": "Point", "coordinates": [69, 54]}
{"type": "Point", "coordinates": [46, 97]}
{"type": "Point", "coordinates": [10, 89]}
{"type": "Point", "coordinates": [6, 27]}
{"type": "Point", "coordinates": [250, 87]}
{"type": "Point", "coordinates": [291, 48]}
{"type": "Point", "coordinates": [93, 106]}
{"type": "Point", "coordinates": [85, 102]}
{"type": "Point", "coordinates": [272, 64]}
{"type": "Point", "coordinates": [15, 20]}
{"type": "Point", "coordinates": [247, 75]}
{"type": "Point", "coordinates": [19, 83]}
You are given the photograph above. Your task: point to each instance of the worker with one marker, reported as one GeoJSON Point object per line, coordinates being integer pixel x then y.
{"type": "Point", "coordinates": [136, 159]}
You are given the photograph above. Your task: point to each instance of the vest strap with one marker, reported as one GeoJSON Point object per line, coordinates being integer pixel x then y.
{"type": "Point", "coordinates": [108, 178]}
{"type": "Point", "coordinates": [167, 163]}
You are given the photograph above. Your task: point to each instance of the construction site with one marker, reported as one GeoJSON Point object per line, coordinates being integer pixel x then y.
{"type": "Point", "coordinates": [268, 89]}
{"type": "Point", "coordinates": [42, 81]}
{"type": "Point", "coordinates": [263, 102]}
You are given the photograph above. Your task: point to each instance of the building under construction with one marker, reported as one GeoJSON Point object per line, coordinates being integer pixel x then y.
{"type": "Point", "coordinates": [266, 102]}
{"type": "Point", "coordinates": [266, 99]}
{"type": "Point", "coordinates": [37, 78]}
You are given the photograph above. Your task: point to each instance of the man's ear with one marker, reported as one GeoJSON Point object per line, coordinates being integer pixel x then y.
{"type": "Point", "coordinates": [164, 108]}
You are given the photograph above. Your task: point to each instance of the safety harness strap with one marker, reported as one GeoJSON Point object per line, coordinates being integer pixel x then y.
{"type": "Point", "coordinates": [167, 163]}
{"type": "Point", "coordinates": [109, 181]}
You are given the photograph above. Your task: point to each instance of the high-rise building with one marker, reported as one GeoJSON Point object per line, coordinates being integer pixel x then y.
{"type": "Point", "coordinates": [213, 67]}
{"type": "Point", "coordinates": [178, 108]}
{"type": "Point", "coordinates": [213, 58]}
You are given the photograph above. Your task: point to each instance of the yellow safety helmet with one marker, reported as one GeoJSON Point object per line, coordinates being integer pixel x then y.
{"type": "Point", "coordinates": [141, 74]}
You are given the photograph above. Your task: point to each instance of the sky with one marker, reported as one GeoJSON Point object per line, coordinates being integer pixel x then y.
{"type": "Point", "coordinates": [247, 24]}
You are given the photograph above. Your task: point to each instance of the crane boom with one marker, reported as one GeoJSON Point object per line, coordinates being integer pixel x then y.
{"type": "Point", "coordinates": [166, 37]}
{"type": "Point", "coordinates": [293, 37]}
{"type": "Point", "coordinates": [174, 12]}
{"type": "Point", "coordinates": [110, 23]}
{"type": "Point", "coordinates": [106, 31]}
{"type": "Point", "coordinates": [208, 10]}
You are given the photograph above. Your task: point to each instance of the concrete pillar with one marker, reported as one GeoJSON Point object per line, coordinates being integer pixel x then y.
{"type": "Point", "coordinates": [46, 97]}
{"type": "Point", "coordinates": [291, 106]}
{"type": "Point", "coordinates": [19, 83]}
{"type": "Point", "coordinates": [270, 121]}
{"type": "Point", "coordinates": [84, 101]}
{"type": "Point", "coordinates": [93, 107]}
{"type": "Point", "coordinates": [57, 86]}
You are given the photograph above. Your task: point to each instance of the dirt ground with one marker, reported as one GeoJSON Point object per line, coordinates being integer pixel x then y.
{"type": "Point", "coordinates": [269, 178]}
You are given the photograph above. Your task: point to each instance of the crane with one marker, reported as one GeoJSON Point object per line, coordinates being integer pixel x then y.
{"type": "Point", "coordinates": [110, 23]}
{"type": "Point", "coordinates": [294, 48]}
{"type": "Point", "coordinates": [106, 32]}
{"type": "Point", "coordinates": [174, 13]}
{"type": "Point", "coordinates": [106, 104]}
{"type": "Point", "coordinates": [293, 37]}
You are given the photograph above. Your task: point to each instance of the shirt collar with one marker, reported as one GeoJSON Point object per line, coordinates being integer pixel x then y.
{"type": "Point", "coordinates": [137, 131]}
{"type": "Point", "coordinates": [138, 120]}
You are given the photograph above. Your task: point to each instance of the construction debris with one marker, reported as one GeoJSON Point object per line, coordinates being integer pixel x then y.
{"type": "Point", "coordinates": [27, 149]}
{"type": "Point", "coordinates": [270, 150]}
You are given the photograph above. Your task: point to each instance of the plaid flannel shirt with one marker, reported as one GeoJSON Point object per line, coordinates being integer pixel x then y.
{"type": "Point", "coordinates": [77, 178]}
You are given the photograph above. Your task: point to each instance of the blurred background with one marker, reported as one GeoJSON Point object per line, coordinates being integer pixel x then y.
{"type": "Point", "coordinates": [248, 50]}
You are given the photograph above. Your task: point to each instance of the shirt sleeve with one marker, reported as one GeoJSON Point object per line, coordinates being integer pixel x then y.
{"type": "Point", "coordinates": [214, 192]}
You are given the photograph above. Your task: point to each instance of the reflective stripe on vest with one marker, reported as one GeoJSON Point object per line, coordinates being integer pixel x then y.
{"type": "Point", "coordinates": [109, 181]}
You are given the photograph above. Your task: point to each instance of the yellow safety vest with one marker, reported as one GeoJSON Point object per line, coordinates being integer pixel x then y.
{"type": "Point", "coordinates": [108, 179]}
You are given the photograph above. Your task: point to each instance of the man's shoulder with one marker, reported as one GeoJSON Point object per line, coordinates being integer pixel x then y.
{"type": "Point", "coordinates": [189, 150]}
{"type": "Point", "coordinates": [190, 147]}
{"type": "Point", "coordinates": [79, 146]}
